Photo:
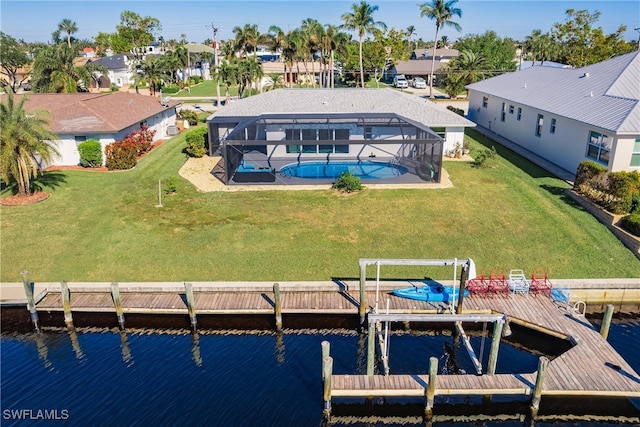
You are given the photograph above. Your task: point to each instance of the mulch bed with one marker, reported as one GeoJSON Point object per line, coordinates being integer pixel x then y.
{"type": "Point", "coordinates": [16, 200]}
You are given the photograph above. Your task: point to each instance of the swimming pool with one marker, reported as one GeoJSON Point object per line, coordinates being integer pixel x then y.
{"type": "Point", "coordinates": [333, 169]}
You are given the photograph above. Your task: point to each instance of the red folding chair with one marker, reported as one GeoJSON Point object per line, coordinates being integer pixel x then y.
{"type": "Point", "coordinates": [540, 283]}
{"type": "Point", "coordinates": [478, 285]}
{"type": "Point", "coordinates": [498, 283]}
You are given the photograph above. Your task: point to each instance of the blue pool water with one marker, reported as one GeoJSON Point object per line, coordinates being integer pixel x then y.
{"type": "Point", "coordinates": [332, 170]}
{"type": "Point", "coordinates": [143, 378]}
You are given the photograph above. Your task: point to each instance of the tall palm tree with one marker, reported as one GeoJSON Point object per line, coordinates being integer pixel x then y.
{"type": "Point", "coordinates": [312, 31]}
{"type": "Point", "coordinates": [410, 32]}
{"type": "Point", "coordinates": [291, 46]}
{"type": "Point", "coordinates": [333, 41]}
{"type": "Point", "coordinates": [154, 71]}
{"type": "Point", "coordinates": [361, 20]}
{"type": "Point", "coordinates": [66, 26]}
{"type": "Point", "coordinates": [441, 11]}
{"type": "Point", "coordinates": [247, 38]}
{"type": "Point", "coordinates": [23, 142]}
{"type": "Point", "coordinates": [229, 77]}
{"type": "Point", "coordinates": [540, 47]}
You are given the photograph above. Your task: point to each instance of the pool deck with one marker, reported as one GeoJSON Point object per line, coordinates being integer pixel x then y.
{"type": "Point", "coordinates": [199, 171]}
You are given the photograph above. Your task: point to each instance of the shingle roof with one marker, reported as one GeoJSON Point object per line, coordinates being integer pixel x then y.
{"type": "Point", "coordinates": [94, 112]}
{"type": "Point", "coordinates": [114, 62]}
{"type": "Point", "coordinates": [344, 101]}
{"type": "Point", "coordinates": [606, 94]}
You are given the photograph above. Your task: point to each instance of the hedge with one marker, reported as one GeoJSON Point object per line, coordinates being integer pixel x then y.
{"type": "Point", "coordinates": [90, 153]}
{"type": "Point", "coordinates": [614, 191]}
{"type": "Point", "coordinates": [195, 140]}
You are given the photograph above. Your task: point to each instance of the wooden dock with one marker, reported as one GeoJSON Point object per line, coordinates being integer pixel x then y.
{"type": "Point", "coordinates": [590, 368]}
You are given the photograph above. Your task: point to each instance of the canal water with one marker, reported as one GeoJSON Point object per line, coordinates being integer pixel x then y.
{"type": "Point", "coordinates": [104, 377]}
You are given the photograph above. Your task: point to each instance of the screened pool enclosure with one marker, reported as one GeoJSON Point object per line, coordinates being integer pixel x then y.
{"type": "Point", "coordinates": [315, 148]}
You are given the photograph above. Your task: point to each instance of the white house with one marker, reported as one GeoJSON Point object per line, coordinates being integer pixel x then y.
{"type": "Point", "coordinates": [120, 69]}
{"type": "Point", "coordinates": [300, 125]}
{"type": "Point", "coordinates": [565, 115]}
{"type": "Point", "coordinates": [105, 117]}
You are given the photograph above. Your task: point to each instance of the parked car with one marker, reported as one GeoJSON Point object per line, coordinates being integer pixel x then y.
{"type": "Point", "coordinates": [400, 81]}
{"type": "Point", "coordinates": [419, 83]}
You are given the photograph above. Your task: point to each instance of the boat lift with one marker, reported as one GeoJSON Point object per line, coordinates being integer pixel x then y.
{"type": "Point", "coordinates": [376, 319]}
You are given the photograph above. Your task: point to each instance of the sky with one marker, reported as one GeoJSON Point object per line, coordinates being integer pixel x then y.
{"type": "Point", "coordinates": [36, 20]}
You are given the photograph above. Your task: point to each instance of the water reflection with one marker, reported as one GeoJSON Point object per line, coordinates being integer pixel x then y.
{"type": "Point", "coordinates": [43, 350]}
{"type": "Point", "coordinates": [124, 346]}
{"type": "Point", "coordinates": [74, 343]}
{"type": "Point", "coordinates": [280, 347]}
{"type": "Point", "coordinates": [195, 349]}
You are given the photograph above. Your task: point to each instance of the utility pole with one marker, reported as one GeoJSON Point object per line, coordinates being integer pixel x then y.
{"type": "Point", "coordinates": [215, 43]}
{"type": "Point", "coordinates": [638, 30]}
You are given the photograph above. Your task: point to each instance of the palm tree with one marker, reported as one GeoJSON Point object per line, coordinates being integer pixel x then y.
{"type": "Point", "coordinates": [312, 31]}
{"type": "Point", "coordinates": [290, 48]}
{"type": "Point", "coordinates": [24, 143]}
{"type": "Point", "coordinates": [471, 67]}
{"type": "Point", "coordinates": [274, 81]}
{"type": "Point", "coordinates": [247, 38]}
{"type": "Point", "coordinates": [55, 72]}
{"type": "Point", "coordinates": [540, 47]}
{"type": "Point", "coordinates": [154, 71]}
{"type": "Point", "coordinates": [361, 20]}
{"type": "Point", "coordinates": [66, 26]}
{"type": "Point", "coordinates": [441, 11]}
{"type": "Point", "coordinates": [410, 32]}
{"type": "Point", "coordinates": [228, 76]}
{"type": "Point", "coordinates": [333, 41]}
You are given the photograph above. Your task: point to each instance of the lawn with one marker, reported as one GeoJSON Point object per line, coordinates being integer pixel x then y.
{"type": "Point", "coordinates": [106, 227]}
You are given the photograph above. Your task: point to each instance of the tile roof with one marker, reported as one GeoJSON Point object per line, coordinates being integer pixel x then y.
{"type": "Point", "coordinates": [94, 112]}
{"type": "Point", "coordinates": [605, 95]}
{"type": "Point", "coordinates": [342, 100]}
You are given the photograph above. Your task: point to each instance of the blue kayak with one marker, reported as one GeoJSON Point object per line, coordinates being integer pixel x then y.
{"type": "Point", "coordinates": [432, 292]}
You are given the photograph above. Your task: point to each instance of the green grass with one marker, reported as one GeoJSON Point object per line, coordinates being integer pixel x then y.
{"type": "Point", "coordinates": [106, 227]}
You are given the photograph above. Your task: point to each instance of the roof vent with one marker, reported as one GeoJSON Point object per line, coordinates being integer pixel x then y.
{"type": "Point", "coordinates": [591, 94]}
{"type": "Point", "coordinates": [324, 102]}
{"type": "Point", "coordinates": [585, 76]}
{"type": "Point", "coordinates": [525, 85]}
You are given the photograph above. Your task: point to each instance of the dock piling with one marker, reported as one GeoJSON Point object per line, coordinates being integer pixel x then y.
{"type": "Point", "coordinates": [31, 302]}
{"type": "Point", "coordinates": [363, 295]}
{"type": "Point", "coordinates": [66, 304]}
{"type": "Point", "coordinates": [464, 274]}
{"type": "Point", "coordinates": [543, 362]}
{"type": "Point", "coordinates": [371, 348]}
{"type": "Point", "coordinates": [327, 371]}
{"type": "Point", "coordinates": [115, 294]}
{"type": "Point", "coordinates": [431, 387]}
{"type": "Point", "coordinates": [326, 349]}
{"type": "Point", "coordinates": [606, 321]}
{"type": "Point", "coordinates": [278, 307]}
{"type": "Point", "coordinates": [191, 305]}
{"type": "Point", "coordinates": [495, 345]}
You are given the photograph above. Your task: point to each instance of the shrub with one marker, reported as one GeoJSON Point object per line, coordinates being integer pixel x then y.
{"type": "Point", "coordinates": [614, 191]}
{"type": "Point", "coordinates": [90, 153]}
{"type": "Point", "coordinates": [631, 223]}
{"type": "Point", "coordinates": [121, 155]}
{"type": "Point", "coordinates": [195, 80]}
{"type": "Point", "coordinates": [196, 142]}
{"type": "Point", "coordinates": [190, 116]}
{"type": "Point", "coordinates": [170, 89]}
{"type": "Point", "coordinates": [171, 187]}
{"type": "Point", "coordinates": [484, 158]}
{"type": "Point", "coordinates": [347, 182]}
{"type": "Point", "coordinates": [114, 87]}
{"type": "Point", "coordinates": [142, 139]}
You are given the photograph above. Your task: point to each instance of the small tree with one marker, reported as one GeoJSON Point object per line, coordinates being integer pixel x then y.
{"type": "Point", "coordinates": [90, 153]}
{"type": "Point", "coordinates": [196, 142]}
{"type": "Point", "coordinates": [347, 183]}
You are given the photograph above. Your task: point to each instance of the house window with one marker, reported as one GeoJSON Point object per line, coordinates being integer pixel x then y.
{"type": "Point", "coordinates": [292, 134]}
{"type": "Point", "coordinates": [324, 134]}
{"type": "Point", "coordinates": [368, 132]}
{"type": "Point", "coordinates": [635, 156]}
{"type": "Point", "coordinates": [539, 123]}
{"type": "Point", "coordinates": [504, 112]}
{"type": "Point", "coordinates": [441, 132]}
{"type": "Point", "coordinates": [80, 139]}
{"type": "Point", "coordinates": [325, 149]}
{"type": "Point", "coordinates": [293, 149]}
{"type": "Point", "coordinates": [519, 113]}
{"type": "Point", "coordinates": [308, 134]}
{"type": "Point", "coordinates": [310, 149]}
{"type": "Point", "coordinates": [485, 101]}
{"type": "Point", "coordinates": [511, 109]}
{"type": "Point", "coordinates": [599, 147]}
{"type": "Point", "coordinates": [552, 128]}
{"type": "Point", "coordinates": [342, 134]}
{"type": "Point", "coordinates": [342, 149]}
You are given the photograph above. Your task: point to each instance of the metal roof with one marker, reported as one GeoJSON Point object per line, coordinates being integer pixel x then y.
{"type": "Point", "coordinates": [298, 101]}
{"type": "Point", "coordinates": [605, 95]}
